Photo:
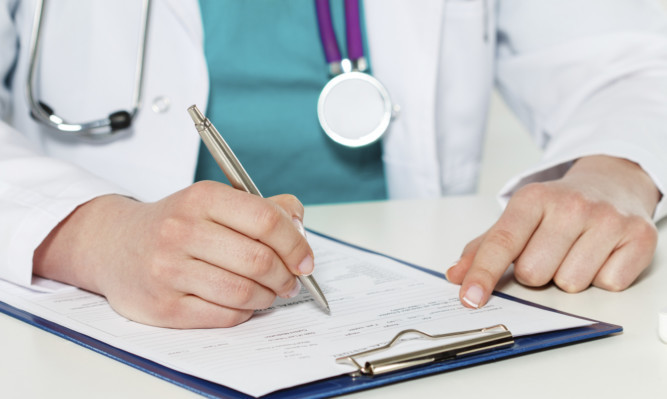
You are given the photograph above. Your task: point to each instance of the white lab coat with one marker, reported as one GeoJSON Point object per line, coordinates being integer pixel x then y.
{"type": "Point", "coordinates": [586, 76]}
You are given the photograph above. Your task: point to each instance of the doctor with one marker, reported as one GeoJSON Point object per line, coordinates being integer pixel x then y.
{"type": "Point", "coordinates": [123, 218]}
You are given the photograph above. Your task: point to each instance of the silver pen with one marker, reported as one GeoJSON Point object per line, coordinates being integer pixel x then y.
{"type": "Point", "coordinates": [240, 180]}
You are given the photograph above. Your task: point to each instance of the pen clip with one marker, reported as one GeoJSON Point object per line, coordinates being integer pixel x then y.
{"type": "Point", "coordinates": [223, 155]}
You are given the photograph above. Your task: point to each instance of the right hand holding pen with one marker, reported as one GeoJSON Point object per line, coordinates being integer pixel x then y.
{"type": "Point", "coordinates": [206, 256]}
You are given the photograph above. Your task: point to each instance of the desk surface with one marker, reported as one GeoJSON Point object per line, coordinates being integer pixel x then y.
{"type": "Point", "coordinates": [429, 233]}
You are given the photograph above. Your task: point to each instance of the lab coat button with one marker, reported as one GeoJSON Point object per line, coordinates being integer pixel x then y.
{"type": "Point", "coordinates": [161, 104]}
{"type": "Point", "coordinates": [395, 111]}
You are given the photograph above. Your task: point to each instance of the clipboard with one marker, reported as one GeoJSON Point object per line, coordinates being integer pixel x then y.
{"type": "Point", "coordinates": [498, 344]}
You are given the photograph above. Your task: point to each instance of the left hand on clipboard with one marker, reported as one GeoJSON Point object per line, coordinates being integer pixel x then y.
{"type": "Point", "coordinates": [593, 226]}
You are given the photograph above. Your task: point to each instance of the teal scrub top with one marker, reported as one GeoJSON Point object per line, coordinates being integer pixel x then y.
{"type": "Point", "coordinates": [266, 70]}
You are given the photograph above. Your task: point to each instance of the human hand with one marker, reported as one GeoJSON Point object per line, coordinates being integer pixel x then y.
{"type": "Point", "coordinates": [206, 256]}
{"type": "Point", "coordinates": [593, 226]}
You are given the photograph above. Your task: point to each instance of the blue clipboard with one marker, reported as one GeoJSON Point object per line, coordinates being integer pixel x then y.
{"type": "Point", "coordinates": [334, 386]}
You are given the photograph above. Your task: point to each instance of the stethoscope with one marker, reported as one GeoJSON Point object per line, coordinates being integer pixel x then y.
{"type": "Point", "coordinates": [354, 108]}
{"type": "Point", "coordinates": [104, 128]}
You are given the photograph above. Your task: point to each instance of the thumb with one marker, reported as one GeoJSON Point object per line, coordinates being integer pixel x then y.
{"type": "Point", "coordinates": [459, 269]}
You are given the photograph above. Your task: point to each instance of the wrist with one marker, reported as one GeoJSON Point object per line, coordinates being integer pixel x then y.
{"type": "Point", "coordinates": [74, 251]}
{"type": "Point", "coordinates": [617, 177]}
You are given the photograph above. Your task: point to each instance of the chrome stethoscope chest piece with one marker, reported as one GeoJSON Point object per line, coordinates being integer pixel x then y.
{"type": "Point", "coordinates": [354, 109]}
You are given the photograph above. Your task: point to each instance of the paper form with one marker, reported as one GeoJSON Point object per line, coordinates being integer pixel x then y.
{"type": "Point", "coordinates": [371, 298]}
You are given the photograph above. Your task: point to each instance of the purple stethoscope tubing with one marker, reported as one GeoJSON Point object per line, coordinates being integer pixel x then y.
{"type": "Point", "coordinates": [354, 42]}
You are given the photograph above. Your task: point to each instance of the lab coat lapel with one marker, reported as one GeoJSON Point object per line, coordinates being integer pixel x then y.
{"type": "Point", "coordinates": [188, 15]}
{"type": "Point", "coordinates": [436, 59]}
{"type": "Point", "coordinates": [404, 41]}
{"type": "Point", "coordinates": [464, 83]}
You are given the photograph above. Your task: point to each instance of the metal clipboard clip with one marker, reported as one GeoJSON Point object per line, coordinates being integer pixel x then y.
{"type": "Point", "coordinates": [488, 338]}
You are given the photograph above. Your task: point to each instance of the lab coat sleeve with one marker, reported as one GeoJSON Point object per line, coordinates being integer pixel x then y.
{"type": "Point", "coordinates": [36, 191]}
{"type": "Point", "coordinates": [587, 77]}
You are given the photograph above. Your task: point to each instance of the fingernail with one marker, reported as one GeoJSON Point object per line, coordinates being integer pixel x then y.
{"type": "Point", "coordinates": [306, 266]}
{"type": "Point", "coordinates": [450, 268]}
{"type": "Point", "coordinates": [299, 225]}
{"type": "Point", "coordinates": [295, 291]}
{"type": "Point", "coordinates": [473, 296]}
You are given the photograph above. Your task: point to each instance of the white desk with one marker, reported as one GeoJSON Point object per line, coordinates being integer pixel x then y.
{"type": "Point", "coordinates": [37, 364]}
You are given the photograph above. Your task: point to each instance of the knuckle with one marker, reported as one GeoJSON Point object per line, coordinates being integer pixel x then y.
{"type": "Point", "coordinates": [160, 269]}
{"type": "Point", "coordinates": [172, 229]}
{"type": "Point", "coordinates": [501, 237]}
{"type": "Point", "coordinates": [611, 224]}
{"type": "Point", "coordinates": [578, 201]}
{"type": "Point", "coordinates": [196, 192]}
{"type": "Point", "coordinates": [293, 202]}
{"type": "Point", "coordinates": [576, 206]}
{"type": "Point", "coordinates": [606, 211]}
{"type": "Point", "coordinates": [643, 231]}
{"type": "Point", "coordinates": [533, 191]}
{"type": "Point", "coordinates": [528, 274]}
{"type": "Point", "coordinates": [267, 218]}
{"type": "Point", "coordinates": [201, 187]}
{"type": "Point", "coordinates": [241, 291]}
{"type": "Point", "coordinates": [260, 259]}
{"type": "Point", "coordinates": [608, 216]}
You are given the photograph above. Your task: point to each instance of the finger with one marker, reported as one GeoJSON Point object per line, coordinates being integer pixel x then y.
{"type": "Point", "coordinates": [190, 311]}
{"type": "Point", "coordinates": [293, 207]}
{"type": "Point", "coordinates": [267, 222]}
{"type": "Point", "coordinates": [290, 204]}
{"type": "Point", "coordinates": [221, 287]}
{"type": "Point", "coordinates": [629, 259]}
{"type": "Point", "coordinates": [548, 247]}
{"type": "Point", "coordinates": [225, 248]}
{"type": "Point", "coordinates": [586, 257]}
{"type": "Point", "coordinates": [458, 270]}
{"type": "Point", "coordinates": [500, 246]}
{"type": "Point", "coordinates": [591, 251]}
